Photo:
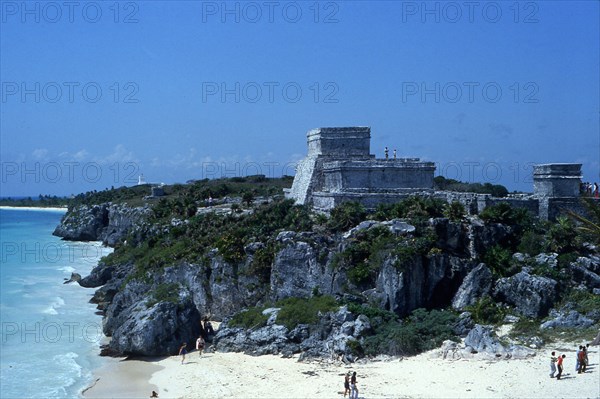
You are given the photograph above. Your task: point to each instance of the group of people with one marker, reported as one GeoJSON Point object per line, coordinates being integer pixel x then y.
{"type": "Point", "coordinates": [589, 189]}
{"type": "Point", "coordinates": [350, 385]}
{"type": "Point", "coordinates": [581, 362]}
{"type": "Point", "coordinates": [206, 331]}
{"type": "Point", "coordinates": [386, 151]}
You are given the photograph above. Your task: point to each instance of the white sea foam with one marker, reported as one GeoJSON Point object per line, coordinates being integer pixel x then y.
{"type": "Point", "coordinates": [52, 309]}
{"type": "Point", "coordinates": [67, 269]}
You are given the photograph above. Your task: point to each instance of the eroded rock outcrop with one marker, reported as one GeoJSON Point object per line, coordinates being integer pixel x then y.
{"type": "Point", "coordinates": [109, 223]}
{"type": "Point", "coordinates": [477, 284]}
{"type": "Point", "coordinates": [531, 295]}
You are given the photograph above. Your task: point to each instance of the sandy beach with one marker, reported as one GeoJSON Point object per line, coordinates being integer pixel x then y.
{"type": "Point", "coordinates": [234, 375]}
{"type": "Point", "coordinates": [35, 208]}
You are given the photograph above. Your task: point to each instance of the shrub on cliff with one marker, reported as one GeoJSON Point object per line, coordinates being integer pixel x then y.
{"type": "Point", "coordinates": [506, 214]}
{"type": "Point", "coordinates": [346, 216]}
{"type": "Point", "coordinates": [421, 331]}
{"type": "Point", "coordinates": [296, 311]}
{"type": "Point", "coordinates": [414, 208]}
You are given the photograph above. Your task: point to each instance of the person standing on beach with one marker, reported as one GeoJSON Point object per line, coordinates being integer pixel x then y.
{"type": "Point", "coordinates": [182, 352]}
{"type": "Point", "coordinates": [200, 345]}
{"type": "Point", "coordinates": [577, 358]}
{"type": "Point", "coordinates": [559, 364]}
{"type": "Point", "coordinates": [581, 360]}
{"type": "Point", "coordinates": [354, 392]}
{"type": "Point", "coordinates": [347, 384]}
{"type": "Point", "coordinates": [553, 360]}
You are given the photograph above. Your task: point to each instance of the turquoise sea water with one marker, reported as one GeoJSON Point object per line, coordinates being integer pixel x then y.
{"type": "Point", "coordinates": [50, 334]}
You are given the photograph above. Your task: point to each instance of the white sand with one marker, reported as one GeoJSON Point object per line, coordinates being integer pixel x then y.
{"type": "Point", "coordinates": [121, 378]}
{"type": "Point", "coordinates": [35, 208]}
{"type": "Point", "coordinates": [233, 375]}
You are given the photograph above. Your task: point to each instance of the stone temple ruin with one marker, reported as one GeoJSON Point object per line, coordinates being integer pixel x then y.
{"type": "Point", "coordinates": [339, 167]}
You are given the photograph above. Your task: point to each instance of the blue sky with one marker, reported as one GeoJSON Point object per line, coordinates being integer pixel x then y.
{"type": "Point", "coordinates": [96, 93]}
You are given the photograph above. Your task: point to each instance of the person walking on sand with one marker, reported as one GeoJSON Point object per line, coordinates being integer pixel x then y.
{"type": "Point", "coordinates": [347, 384]}
{"type": "Point", "coordinates": [581, 360]}
{"type": "Point", "coordinates": [577, 359]}
{"type": "Point", "coordinates": [182, 352]}
{"type": "Point", "coordinates": [553, 360]}
{"type": "Point", "coordinates": [559, 364]}
{"type": "Point", "coordinates": [200, 345]}
{"type": "Point", "coordinates": [354, 392]}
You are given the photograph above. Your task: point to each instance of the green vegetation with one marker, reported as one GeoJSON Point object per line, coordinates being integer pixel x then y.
{"type": "Point", "coordinates": [588, 227]}
{"type": "Point", "coordinates": [249, 318]}
{"type": "Point", "coordinates": [582, 301]}
{"type": "Point", "coordinates": [455, 211]}
{"type": "Point", "coordinates": [296, 311]}
{"type": "Point", "coordinates": [486, 311]}
{"type": "Point", "coordinates": [496, 190]}
{"type": "Point", "coordinates": [414, 208]}
{"type": "Point", "coordinates": [346, 216]}
{"type": "Point", "coordinates": [191, 241]}
{"type": "Point", "coordinates": [421, 331]}
{"type": "Point", "coordinates": [41, 201]}
{"type": "Point", "coordinates": [506, 214]}
{"type": "Point", "coordinates": [164, 293]}
{"type": "Point", "coordinates": [499, 260]}
{"type": "Point", "coordinates": [293, 311]}
{"type": "Point", "coordinates": [367, 251]}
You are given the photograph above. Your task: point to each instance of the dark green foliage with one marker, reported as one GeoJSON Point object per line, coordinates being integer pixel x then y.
{"type": "Point", "coordinates": [506, 214]}
{"type": "Point", "coordinates": [499, 260]}
{"type": "Point", "coordinates": [583, 301]}
{"type": "Point", "coordinates": [526, 328]}
{"type": "Point", "coordinates": [365, 255]}
{"type": "Point", "coordinates": [455, 211]}
{"type": "Point", "coordinates": [192, 241]}
{"type": "Point", "coordinates": [532, 243]}
{"type": "Point", "coordinates": [588, 225]}
{"type": "Point", "coordinates": [371, 312]}
{"type": "Point", "coordinates": [413, 207]}
{"type": "Point", "coordinates": [562, 236]}
{"type": "Point", "coordinates": [422, 331]}
{"type": "Point", "coordinates": [496, 190]}
{"type": "Point", "coordinates": [248, 198]}
{"type": "Point", "coordinates": [249, 318]}
{"type": "Point", "coordinates": [486, 311]}
{"type": "Point", "coordinates": [262, 262]}
{"type": "Point", "coordinates": [346, 216]}
{"type": "Point", "coordinates": [231, 246]}
{"type": "Point", "coordinates": [165, 292]}
{"type": "Point", "coordinates": [296, 311]}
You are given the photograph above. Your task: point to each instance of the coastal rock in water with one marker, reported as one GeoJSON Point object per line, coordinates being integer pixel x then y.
{"type": "Point", "coordinates": [107, 222]}
{"type": "Point", "coordinates": [75, 277]}
{"type": "Point", "coordinates": [83, 223]}
{"type": "Point", "coordinates": [477, 284]}
{"type": "Point", "coordinates": [571, 319]}
{"type": "Point", "coordinates": [532, 296]}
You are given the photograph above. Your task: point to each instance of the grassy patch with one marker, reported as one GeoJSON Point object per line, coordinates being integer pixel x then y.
{"type": "Point", "coordinates": [296, 311]}
{"type": "Point", "coordinates": [423, 330]}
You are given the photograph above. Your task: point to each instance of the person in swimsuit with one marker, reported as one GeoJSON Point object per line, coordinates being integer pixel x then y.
{"type": "Point", "coordinates": [346, 384]}
{"type": "Point", "coordinates": [200, 345]}
{"type": "Point", "coordinates": [182, 352]}
{"type": "Point", "coordinates": [354, 393]}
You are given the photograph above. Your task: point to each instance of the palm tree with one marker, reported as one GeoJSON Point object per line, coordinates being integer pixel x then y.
{"type": "Point", "coordinates": [588, 225]}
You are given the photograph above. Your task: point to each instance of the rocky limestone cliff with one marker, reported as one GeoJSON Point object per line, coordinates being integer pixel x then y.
{"type": "Point", "coordinates": [108, 222]}
{"type": "Point", "coordinates": [143, 320]}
